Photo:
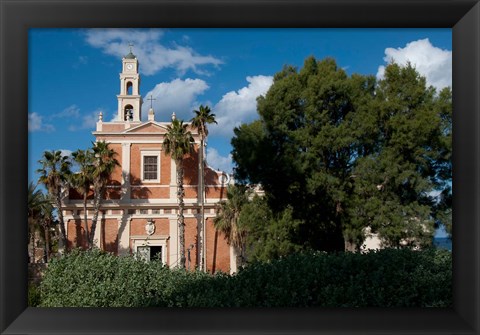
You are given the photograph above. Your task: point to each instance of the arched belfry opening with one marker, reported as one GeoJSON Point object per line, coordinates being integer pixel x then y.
{"type": "Point", "coordinates": [129, 99]}
{"type": "Point", "coordinates": [128, 113]}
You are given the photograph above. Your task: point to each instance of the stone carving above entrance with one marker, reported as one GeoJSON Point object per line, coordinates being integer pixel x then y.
{"type": "Point", "coordinates": [150, 227]}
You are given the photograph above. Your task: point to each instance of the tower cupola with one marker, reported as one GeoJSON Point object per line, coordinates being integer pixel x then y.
{"type": "Point", "coordinates": [129, 99]}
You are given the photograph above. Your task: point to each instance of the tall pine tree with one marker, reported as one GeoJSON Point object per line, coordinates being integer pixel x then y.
{"type": "Point", "coordinates": [345, 153]}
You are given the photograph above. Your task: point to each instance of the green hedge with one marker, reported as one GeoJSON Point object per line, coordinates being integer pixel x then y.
{"type": "Point", "coordinates": [33, 295]}
{"type": "Point", "coordinates": [387, 278]}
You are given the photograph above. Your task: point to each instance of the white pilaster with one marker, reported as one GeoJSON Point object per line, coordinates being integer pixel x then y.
{"type": "Point", "coordinates": [233, 260]}
{"type": "Point", "coordinates": [173, 180]}
{"type": "Point", "coordinates": [65, 221]}
{"type": "Point", "coordinates": [126, 172]}
{"type": "Point", "coordinates": [173, 243]}
{"type": "Point", "coordinates": [124, 235]}
{"type": "Point", "coordinates": [120, 109]}
{"type": "Point", "coordinates": [98, 230]}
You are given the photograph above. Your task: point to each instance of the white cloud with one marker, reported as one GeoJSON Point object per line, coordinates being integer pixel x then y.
{"type": "Point", "coordinates": [219, 162]}
{"type": "Point", "coordinates": [35, 123]}
{"type": "Point", "coordinates": [88, 121]}
{"type": "Point", "coordinates": [70, 112]}
{"type": "Point", "coordinates": [431, 62]}
{"type": "Point", "coordinates": [177, 96]}
{"type": "Point", "coordinates": [66, 152]}
{"type": "Point", "coordinates": [152, 55]}
{"type": "Point", "coordinates": [237, 107]}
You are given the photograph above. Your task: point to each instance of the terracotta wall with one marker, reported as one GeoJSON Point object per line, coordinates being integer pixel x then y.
{"type": "Point", "coordinates": [216, 192]}
{"type": "Point", "coordinates": [116, 177]}
{"type": "Point", "coordinates": [190, 168]}
{"type": "Point", "coordinates": [218, 251]}
{"type": "Point", "coordinates": [191, 239]}
{"type": "Point", "coordinates": [75, 195]}
{"type": "Point", "coordinates": [76, 233]}
{"type": "Point", "coordinates": [136, 164]}
{"type": "Point", "coordinates": [145, 192]}
{"type": "Point", "coordinates": [109, 235]}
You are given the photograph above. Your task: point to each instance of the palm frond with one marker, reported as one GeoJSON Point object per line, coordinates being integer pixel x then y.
{"type": "Point", "coordinates": [178, 140]}
{"type": "Point", "coordinates": [228, 213]}
{"type": "Point", "coordinates": [203, 116]}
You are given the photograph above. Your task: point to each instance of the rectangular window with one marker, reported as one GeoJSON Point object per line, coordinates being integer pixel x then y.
{"type": "Point", "coordinates": [150, 165]}
{"type": "Point", "coordinates": [150, 168]}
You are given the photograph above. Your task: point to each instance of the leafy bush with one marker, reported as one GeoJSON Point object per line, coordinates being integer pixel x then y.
{"type": "Point", "coordinates": [33, 296]}
{"type": "Point", "coordinates": [386, 278]}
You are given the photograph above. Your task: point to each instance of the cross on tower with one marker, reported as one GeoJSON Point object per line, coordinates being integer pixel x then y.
{"type": "Point", "coordinates": [130, 44]}
{"type": "Point", "coordinates": [151, 101]}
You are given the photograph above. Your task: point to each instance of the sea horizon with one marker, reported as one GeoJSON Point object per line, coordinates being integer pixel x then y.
{"type": "Point", "coordinates": [443, 242]}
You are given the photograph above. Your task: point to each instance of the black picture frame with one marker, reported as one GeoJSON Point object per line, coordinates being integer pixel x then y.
{"type": "Point", "coordinates": [16, 17]}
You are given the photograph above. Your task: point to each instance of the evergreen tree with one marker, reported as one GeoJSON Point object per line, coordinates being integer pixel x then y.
{"type": "Point", "coordinates": [344, 153]}
{"type": "Point", "coordinates": [394, 183]}
{"type": "Point", "coordinates": [268, 235]}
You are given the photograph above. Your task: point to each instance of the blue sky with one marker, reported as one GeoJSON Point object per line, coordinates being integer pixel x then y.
{"type": "Point", "coordinates": [74, 73]}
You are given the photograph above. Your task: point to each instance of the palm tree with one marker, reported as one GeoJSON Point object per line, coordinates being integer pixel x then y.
{"type": "Point", "coordinates": [40, 215]}
{"type": "Point", "coordinates": [35, 203]}
{"type": "Point", "coordinates": [47, 221]}
{"type": "Point", "coordinates": [203, 116]}
{"type": "Point", "coordinates": [54, 174]}
{"type": "Point", "coordinates": [83, 180]}
{"type": "Point", "coordinates": [177, 143]}
{"type": "Point", "coordinates": [227, 219]}
{"type": "Point", "coordinates": [104, 163]}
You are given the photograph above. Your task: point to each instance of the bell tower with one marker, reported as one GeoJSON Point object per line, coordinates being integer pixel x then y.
{"type": "Point", "coordinates": [129, 99]}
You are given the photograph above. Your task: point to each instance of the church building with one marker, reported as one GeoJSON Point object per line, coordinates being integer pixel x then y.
{"type": "Point", "coordinates": [139, 212]}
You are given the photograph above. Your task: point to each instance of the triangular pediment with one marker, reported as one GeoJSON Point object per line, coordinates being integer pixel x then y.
{"type": "Point", "coordinates": [148, 127]}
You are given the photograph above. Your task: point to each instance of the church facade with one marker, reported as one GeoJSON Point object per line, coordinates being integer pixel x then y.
{"type": "Point", "coordinates": [139, 210]}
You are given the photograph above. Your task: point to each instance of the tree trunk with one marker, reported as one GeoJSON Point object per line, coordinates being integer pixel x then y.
{"type": "Point", "coordinates": [47, 243]}
{"type": "Point", "coordinates": [180, 217]}
{"type": "Point", "coordinates": [351, 246]}
{"type": "Point", "coordinates": [201, 180]}
{"type": "Point", "coordinates": [97, 202]}
{"type": "Point", "coordinates": [32, 259]}
{"type": "Point", "coordinates": [240, 257]}
{"type": "Point", "coordinates": [63, 234]}
{"type": "Point", "coordinates": [85, 218]}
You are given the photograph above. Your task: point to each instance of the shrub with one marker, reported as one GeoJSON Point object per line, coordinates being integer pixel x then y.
{"type": "Point", "coordinates": [33, 296]}
{"type": "Point", "coordinates": [386, 278]}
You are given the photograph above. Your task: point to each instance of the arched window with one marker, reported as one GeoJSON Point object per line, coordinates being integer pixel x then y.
{"type": "Point", "coordinates": [129, 88]}
{"type": "Point", "coordinates": [128, 113]}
